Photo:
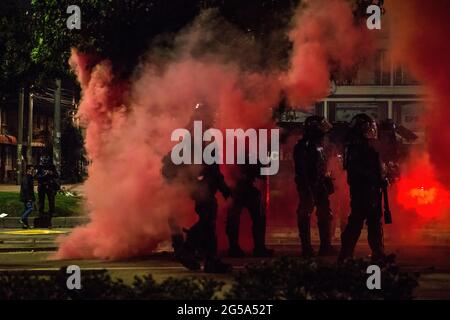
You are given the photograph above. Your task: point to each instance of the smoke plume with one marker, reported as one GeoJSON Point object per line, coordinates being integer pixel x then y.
{"type": "Point", "coordinates": [418, 34]}
{"type": "Point", "coordinates": [129, 123]}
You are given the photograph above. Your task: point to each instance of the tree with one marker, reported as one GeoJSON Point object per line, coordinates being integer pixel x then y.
{"type": "Point", "coordinates": [122, 30]}
{"type": "Point", "coordinates": [119, 30]}
{"type": "Point", "coordinates": [15, 45]}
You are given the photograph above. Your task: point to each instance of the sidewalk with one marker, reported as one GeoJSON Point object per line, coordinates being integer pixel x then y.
{"type": "Point", "coordinates": [57, 222]}
{"type": "Point", "coordinates": [78, 188]}
{"type": "Point", "coordinates": [31, 240]}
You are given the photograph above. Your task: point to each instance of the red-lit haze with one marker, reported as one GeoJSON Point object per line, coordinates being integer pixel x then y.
{"type": "Point", "coordinates": [421, 191]}
{"type": "Point", "coordinates": [419, 31]}
{"type": "Point", "coordinates": [129, 124]}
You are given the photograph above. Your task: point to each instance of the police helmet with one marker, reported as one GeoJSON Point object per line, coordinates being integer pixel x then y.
{"type": "Point", "coordinates": [317, 125]}
{"type": "Point", "coordinates": [364, 126]}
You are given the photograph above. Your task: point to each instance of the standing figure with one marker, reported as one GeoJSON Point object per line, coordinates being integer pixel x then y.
{"type": "Point", "coordinates": [27, 195]}
{"type": "Point", "coordinates": [314, 185]}
{"type": "Point", "coordinates": [246, 195]}
{"type": "Point", "coordinates": [365, 178]}
{"type": "Point", "coordinates": [202, 237]}
{"type": "Point", "coordinates": [203, 181]}
{"type": "Point", "coordinates": [48, 186]}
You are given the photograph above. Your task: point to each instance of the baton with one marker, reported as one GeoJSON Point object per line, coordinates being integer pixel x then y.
{"type": "Point", "coordinates": [387, 210]}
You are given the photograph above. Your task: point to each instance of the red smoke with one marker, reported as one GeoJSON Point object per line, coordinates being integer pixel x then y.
{"type": "Point", "coordinates": [129, 124]}
{"type": "Point", "coordinates": [419, 31]}
{"type": "Point", "coordinates": [420, 190]}
{"type": "Point", "coordinates": [325, 39]}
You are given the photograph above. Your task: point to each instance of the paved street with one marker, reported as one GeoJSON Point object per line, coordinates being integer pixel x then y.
{"type": "Point", "coordinates": [31, 250]}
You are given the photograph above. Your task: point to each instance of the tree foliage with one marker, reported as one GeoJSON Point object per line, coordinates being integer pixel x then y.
{"type": "Point", "coordinates": [114, 29]}
{"type": "Point", "coordinates": [35, 41]}
{"type": "Point", "coordinates": [15, 46]}
{"type": "Point", "coordinates": [122, 30]}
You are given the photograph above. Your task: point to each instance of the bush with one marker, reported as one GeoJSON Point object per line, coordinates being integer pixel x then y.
{"type": "Point", "coordinates": [189, 288]}
{"type": "Point", "coordinates": [284, 279]}
{"type": "Point", "coordinates": [298, 279]}
{"type": "Point", "coordinates": [98, 285]}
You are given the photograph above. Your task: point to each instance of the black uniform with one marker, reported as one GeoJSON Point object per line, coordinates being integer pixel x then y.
{"type": "Point", "coordinates": [48, 185]}
{"type": "Point", "coordinates": [202, 235]}
{"type": "Point", "coordinates": [365, 181]}
{"type": "Point", "coordinates": [246, 195]}
{"type": "Point", "coordinates": [314, 188]}
{"type": "Point", "coordinates": [27, 189]}
{"type": "Point", "coordinates": [202, 182]}
{"type": "Point", "coordinates": [365, 178]}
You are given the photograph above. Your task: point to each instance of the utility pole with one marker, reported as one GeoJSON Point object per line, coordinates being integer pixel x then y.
{"type": "Point", "coordinates": [57, 128]}
{"type": "Point", "coordinates": [20, 136]}
{"type": "Point", "coordinates": [30, 131]}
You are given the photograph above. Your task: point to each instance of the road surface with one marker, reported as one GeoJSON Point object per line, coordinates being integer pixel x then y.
{"type": "Point", "coordinates": [32, 250]}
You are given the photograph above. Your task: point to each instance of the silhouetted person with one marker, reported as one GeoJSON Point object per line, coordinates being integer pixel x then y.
{"type": "Point", "coordinates": [48, 186]}
{"type": "Point", "coordinates": [202, 181]}
{"type": "Point", "coordinates": [27, 195]}
{"type": "Point", "coordinates": [365, 178]}
{"type": "Point", "coordinates": [314, 185]}
{"type": "Point", "coordinates": [246, 195]}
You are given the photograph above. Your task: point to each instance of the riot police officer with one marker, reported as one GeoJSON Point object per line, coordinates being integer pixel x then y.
{"type": "Point", "coordinates": [314, 185]}
{"type": "Point", "coordinates": [246, 195]}
{"type": "Point", "coordinates": [365, 178]}
{"type": "Point", "coordinates": [202, 182]}
{"type": "Point", "coordinates": [48, 186]}
{"type": "Point", "coordinates": [201, 237]}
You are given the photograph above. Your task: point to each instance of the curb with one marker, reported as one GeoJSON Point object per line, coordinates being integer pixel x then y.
{"type": "Point", "coordinates": [28, 249]}
{"type": "Point", "coordinates": [57, 222]}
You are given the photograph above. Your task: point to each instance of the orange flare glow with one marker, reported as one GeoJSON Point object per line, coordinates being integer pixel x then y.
{"type": "Point", "coordinates": [419, 190]}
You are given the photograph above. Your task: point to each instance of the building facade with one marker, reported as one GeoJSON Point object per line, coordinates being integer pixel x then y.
{"type": "Point", "coordinates": [28, 129]}
{"type": "Point", "coordinates": [380, 89]}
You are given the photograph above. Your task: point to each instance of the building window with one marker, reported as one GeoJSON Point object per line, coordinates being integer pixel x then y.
{"type": "Point", "coordinates": [376, 72]}
{"type": "Point", "coordinates": [403, 78]}
{"type": "Point", "coordinates": [410, 115]}
{"type": "Point", "coordinates": [345, 111]}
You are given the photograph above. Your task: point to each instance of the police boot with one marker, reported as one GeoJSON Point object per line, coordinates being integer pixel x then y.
{"type": "Point", "coordinates": [375, 238]}
{"type": "Point", "coordinates": [326, 249]}
{"type": "Point", "coordinates": [186, 253]}
{"type": "Point", "coordinates": [305, 239]}
{"type": "Point", "coordinates": [214, 265]}
{"type": "Point", "coordinates": [234, 250]}
{"type": "Point", "coordinates": [345, 253]}
{"type": "Point", "coordinates": [259, 239]}
{"type": "Point", "coordinates": [177, 242]}
{"type": "Point", "coordinates": [188, 259]}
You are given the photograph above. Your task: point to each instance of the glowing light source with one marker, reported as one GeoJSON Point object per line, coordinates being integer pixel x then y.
{"type": "Point", "coordinates": [419, 190]}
